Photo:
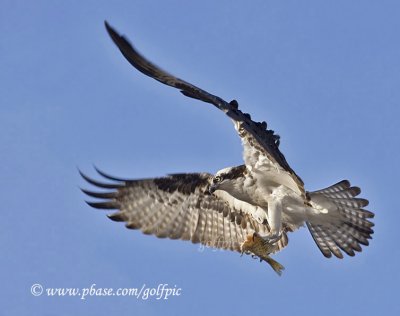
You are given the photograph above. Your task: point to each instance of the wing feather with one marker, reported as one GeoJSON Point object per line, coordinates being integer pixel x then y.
{"type": "Point", "coordinates": [257, 139]}
{"type": "Point", "coordinates": [177, 207]}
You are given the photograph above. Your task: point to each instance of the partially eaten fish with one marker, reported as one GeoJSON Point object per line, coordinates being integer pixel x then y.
{"type": "Point", "coordinates": [257, 247]}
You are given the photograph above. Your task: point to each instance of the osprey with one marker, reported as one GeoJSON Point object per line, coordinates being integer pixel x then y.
{"type": "Point", "coordinates": [248, 208]}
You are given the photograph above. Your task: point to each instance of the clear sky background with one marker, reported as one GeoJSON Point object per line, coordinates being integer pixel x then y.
{"type": "Point", "coordinates": [325, 76]}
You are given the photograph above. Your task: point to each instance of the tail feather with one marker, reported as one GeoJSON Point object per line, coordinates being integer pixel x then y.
{"type": "Point", "coordinates": [351, 202]}
{"type": "Point", "coordinates": [350, 227]}
{"type": "Point", "coordinates": [345, 194]}
{"type": "Point", "coordinates": [345, 243]}
{"type": "Point", "coordinates": [319, 240]}
{"type": "Point", "coordinates": [357, 221]}
{"type": "Point", "coordinates": [340, 186]}
{"type": "Point", "coordinates": [361, 238]}
{"type": "Point", "coordinates": [329, 240]}
{"type": "Point", "coordinates": [359, 213]}
{"type": "Point", "coordinates": [345, 238]}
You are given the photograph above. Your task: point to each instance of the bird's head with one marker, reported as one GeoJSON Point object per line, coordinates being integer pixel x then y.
{"type": "Point", "coordinates": [225, 178]}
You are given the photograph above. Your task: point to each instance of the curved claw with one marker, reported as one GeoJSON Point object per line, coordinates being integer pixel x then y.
{"type": "Point", "coordinates": [273, 238]}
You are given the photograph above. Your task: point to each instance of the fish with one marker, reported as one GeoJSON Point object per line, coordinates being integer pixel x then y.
{"type": "Point", "coordinates": [258, 247]}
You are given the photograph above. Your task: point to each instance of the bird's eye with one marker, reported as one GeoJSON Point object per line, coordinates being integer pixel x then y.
{"type": "Point", "coordinates": [217, 179]}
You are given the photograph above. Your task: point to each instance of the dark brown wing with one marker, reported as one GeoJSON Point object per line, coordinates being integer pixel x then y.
{"type": "Point", "coordinates": [254, 133]}
{"type": "Point", "coordinates": [178, 207]}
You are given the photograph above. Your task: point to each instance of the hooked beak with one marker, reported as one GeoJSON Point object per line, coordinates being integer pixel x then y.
{"type": "Point", "coordinates": [212, 188]}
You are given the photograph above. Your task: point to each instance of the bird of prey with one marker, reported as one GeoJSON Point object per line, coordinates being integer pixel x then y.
{"type": "Point", "coordinates": [248, 208]}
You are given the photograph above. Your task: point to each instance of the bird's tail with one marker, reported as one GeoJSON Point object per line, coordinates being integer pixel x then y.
{"type": "Point", "coordinates": [339, 221]}
{"type": "Point", "coordinates": [278, 268]}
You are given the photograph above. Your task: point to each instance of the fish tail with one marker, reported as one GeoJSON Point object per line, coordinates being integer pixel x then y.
{"type": "Point", "coordinates": [278, 268]}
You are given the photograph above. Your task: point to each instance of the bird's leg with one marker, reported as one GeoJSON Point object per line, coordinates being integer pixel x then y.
{"type": "Point", "coordinates": [274, 216]}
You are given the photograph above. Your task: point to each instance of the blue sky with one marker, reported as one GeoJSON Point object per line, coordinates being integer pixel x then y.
{"type": "Point", "coordinates": [325, 76]}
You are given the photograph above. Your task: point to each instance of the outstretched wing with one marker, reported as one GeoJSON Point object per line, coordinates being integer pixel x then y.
{"type": "Point", "coordinates": [260, 144]}
{"type": "Point", "coordinates": [178, 206]}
